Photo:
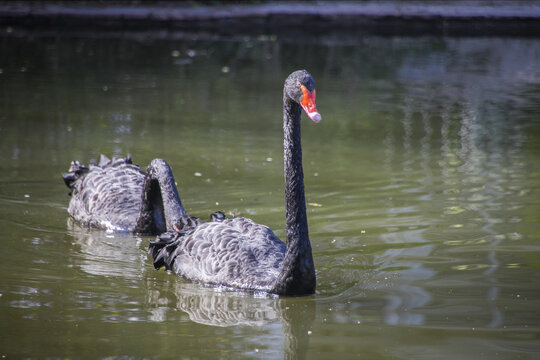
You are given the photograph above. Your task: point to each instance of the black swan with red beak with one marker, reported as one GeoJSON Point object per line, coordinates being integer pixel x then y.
{"type": "Point", "coordinates": [240, 253]}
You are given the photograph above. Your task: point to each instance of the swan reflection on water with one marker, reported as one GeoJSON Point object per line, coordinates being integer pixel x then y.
{"type": "Point", "coordinates": [228, 308]}
{"type": "Point", "coordinates": [105, 254]}
{"type": "Point", "coordinates": [212, 306]}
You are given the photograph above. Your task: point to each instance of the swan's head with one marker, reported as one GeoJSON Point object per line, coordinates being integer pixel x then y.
{"type": "Point", "coordinates": [300, 87]}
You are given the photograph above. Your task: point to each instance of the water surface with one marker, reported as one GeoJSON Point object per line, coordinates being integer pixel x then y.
{"type": "Point", "coordinates": [422, 183]}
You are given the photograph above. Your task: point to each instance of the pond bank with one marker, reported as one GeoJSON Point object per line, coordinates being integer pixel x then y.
{"type": "Point", "coordinates": [389, 17]}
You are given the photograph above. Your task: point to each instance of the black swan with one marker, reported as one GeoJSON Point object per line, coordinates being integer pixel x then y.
{"type": "Point", "coordinates": [117, 195]}
{"type": "Point", "coordinates": [240, 253]}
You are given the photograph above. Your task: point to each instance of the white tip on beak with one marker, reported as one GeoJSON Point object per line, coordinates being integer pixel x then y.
{"type": "Point", "coordinates": [316, 117]}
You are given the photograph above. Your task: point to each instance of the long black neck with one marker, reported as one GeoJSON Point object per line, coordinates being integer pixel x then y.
{"type": "Point", "coordinates": [297, 276]}
{"type": "Point", "coordinates": [161, 208]}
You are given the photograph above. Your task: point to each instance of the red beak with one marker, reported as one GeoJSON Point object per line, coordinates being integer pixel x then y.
{"type": "Point", "coordinates": [308, 104]}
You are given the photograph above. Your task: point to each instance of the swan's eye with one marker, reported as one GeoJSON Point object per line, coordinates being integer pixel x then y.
{"type": "Point", "coordinates": [308, 104]}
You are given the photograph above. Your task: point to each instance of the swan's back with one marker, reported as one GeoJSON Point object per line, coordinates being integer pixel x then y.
{"type": "Point", "coordinates": [107, 195]}
{"type": "Point", "coordinates": [233, 252]}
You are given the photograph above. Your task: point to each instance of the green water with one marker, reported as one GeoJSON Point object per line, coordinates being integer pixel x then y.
{"type": "Point", "coordinates": [422, 183]}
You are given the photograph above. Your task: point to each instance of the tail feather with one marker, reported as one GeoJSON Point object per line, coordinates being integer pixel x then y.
{"type": "Point", "coordinates": [217, 216]}
{"type": "Point", "coordinates": [162, 248]}
{"type": "Point", "coordinates": [76, 171]}
{"type": "Point", "coordinates": [103, 160]}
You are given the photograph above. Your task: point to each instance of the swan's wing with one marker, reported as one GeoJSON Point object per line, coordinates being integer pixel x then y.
{"type": "Point", "coordinates": [109, 196]}
{"type": "Point", "coordinates": [235, 252]}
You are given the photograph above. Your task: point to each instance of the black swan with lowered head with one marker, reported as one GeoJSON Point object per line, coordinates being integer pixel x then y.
{"type": "Point", "coordinates": [117, 195]}
{"type": "Point", "coordinates": [240, 253]}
